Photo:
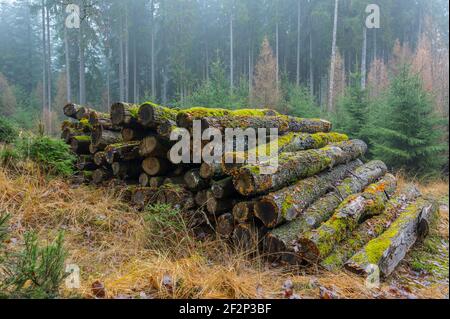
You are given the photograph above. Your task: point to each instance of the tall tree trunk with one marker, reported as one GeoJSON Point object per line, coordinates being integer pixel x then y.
{"type": "Point", "coordinates": [311, 65]}
{"type": "Point", "coordinates": [299, 11]}
{"type": "Point", "coordinates": [127, 57]}
{"type": "Point", "coordinates": [364, 60]}
{"type": "Point", "coordinates": [231, 53]}
{"type": "Point", "coordinates": [333, 58]}
{"type": "Point", "coordinates": [49, 73]}
{"type": "Point", "coordinates": [44, 65]}
{"type": "Point", "coordinates": [82, 83]}
{"type": "Point", "coordinates": [135, 77]}
{"type": "Point", "coordinates": [67, 57]}
{"type": "Point", "coordinates": [121, 63]}
{"type": "Point", "coordinates": [152, 42]}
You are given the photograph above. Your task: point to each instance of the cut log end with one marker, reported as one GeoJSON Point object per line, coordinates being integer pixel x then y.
{"type": "Point", "coordinates": [155, 166]}
{"type": "Point", "coordinates": [266, 211]}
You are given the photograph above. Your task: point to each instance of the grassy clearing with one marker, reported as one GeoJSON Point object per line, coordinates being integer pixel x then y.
{"type": "Point", "coordinates": [153, 253]}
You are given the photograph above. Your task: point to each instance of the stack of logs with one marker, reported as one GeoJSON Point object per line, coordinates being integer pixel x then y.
{"type": "Point", "coordinates": [323, 205]}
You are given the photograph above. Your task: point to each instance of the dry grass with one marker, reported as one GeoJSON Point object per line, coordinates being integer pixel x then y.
{"type": "Point", "coordinates": [108, 240]}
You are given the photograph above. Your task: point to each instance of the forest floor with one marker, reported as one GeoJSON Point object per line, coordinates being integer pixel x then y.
{"type": "Point", "coordinates": [114, 245]}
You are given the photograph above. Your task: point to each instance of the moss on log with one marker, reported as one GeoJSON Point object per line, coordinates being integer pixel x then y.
{"type": "Point", "coordinates": [283, 240]}
{"type": "Point", "coordinates": [80, 144]}
{"type": "Point", "coordinates": [124, 114]}
{"type": "Point", "coordinates": [152, 115]}
{"type": "Point", "coordinates": [318, 244]}
{"type": "Point", "coordinates": [122, 152]}
{"type": "Point", "coordinates": [249, 180]}
{"type": "Point", "coordinates": [287, 204]}
{"type": "Point", "coordinates": [370, 229]}
{"type": "Point", "coordinates": [291, 142]}
{"type": "Point", "coordinates": [387, 250]}
{"type": "Point", "coordinates": [283, 123]}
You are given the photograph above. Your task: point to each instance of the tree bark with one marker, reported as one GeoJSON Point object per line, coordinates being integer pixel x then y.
{"type": "Point", "coordinates": [390, 248]}
{"type": "Point", "coordinates": [288, 203]}
{"type": "Point", "coordinates": [333, 58]}
{"type": "Point", "coordinates": [124, 114]}
{"type": "Point", "coordinates": [154, 166]}
{"type": "Point", "coordinates": [318, 244]}
{"type": "Point", "coordinates": [152, 115]}
{"type": "Point", "coordinates": [364, 60]}
{"type": "Point", "coordinates": [282, 240]}
{"type": "Point", "coordinates": [299, 10]}
{"type": "Point", "coordinates": [370, 229]}
{"type": "Point", "coordinates": [294, 166]}
{"type": "Point", "coordinates": [101, 138]}
{"type": "Point", "coordinates": [122, 152]}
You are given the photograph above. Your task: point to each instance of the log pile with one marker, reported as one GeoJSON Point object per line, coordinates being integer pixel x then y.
{"type": "Point", "coordinates": [322, 205]}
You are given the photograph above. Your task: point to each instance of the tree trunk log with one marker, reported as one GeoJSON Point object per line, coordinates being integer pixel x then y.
{"type": "Point", "coordinates": [100, 175]}
{"type": "Point", "coordinates": [133, 134]}
{"type": "Point", "coordinates": [288, 203]}
{"type": "Point", "coordinates": [144, 180]}
{"type": "Point", "coordinates": [152, 115]}
{"type": "Point", "coordinates": [318, 244]}
{"type": "Point", "coordinates": [166, 129]}
{"type": "Point", "coordinates": [294, 166]}
{"type": "Point", "coordinates": [291, 142]}
{"type": "Point", "coordinates": [185, 118]}
{"type": "Point", "coordinates": [248, 237]}
{"type": "Point", "coordinates": [201, 198]}
{"type": "Point", "coordinates": [151, 146]}
{"type": "Point", "coordinates": [225, 226]}
{"type": "Point", "coordinates": [83, 113]}
{"type": "Point", "coordinates": [223, 188]}
{"type": "Point", "coordinates": [210, 171]}
{"type": "Point", "coordinates": [244, 212]}
{"type": "Point", "coordinates": [86, 163]}
{"type": "Point", "coordinates": [80, 144]}
{"type": "Point", "coordinates": [216, 207]}
{"type": "Point", "coordinates": [283, 239]}
{"type": "Point", "coordinates": [370, 229]}
{"type": "Point", "coordinates": [101, 137]}
{"type": "Point", "coordinates": [70, 110]}
{"type": "Point", "coordinates": [154, 166]}
{"type": "Point", "coordinates": [124, 114]}
{"type": "Point", "coordinates": [122, 152]}
{"type": "Point", "coordinates": [126, 170]}
{"type": "Point", "coordinates": [100, 158]}
{"type": "Point", "coordinates": [194, 182]}
{"type": "Point", "coordinates": [284, 124]}
{"type": "Point", "coordinates": [391, 247]}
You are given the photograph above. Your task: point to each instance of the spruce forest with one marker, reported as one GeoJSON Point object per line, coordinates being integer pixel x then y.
{"type": "Point", "coordinates": [94, 205]}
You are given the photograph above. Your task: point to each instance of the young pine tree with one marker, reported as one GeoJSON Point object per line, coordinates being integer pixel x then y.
{"type": "Point", "coordinates": [408, 136]}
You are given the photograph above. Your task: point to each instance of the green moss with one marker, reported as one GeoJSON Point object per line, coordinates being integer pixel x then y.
{"type": "Point", "coordinates": [134, 111]}
{"type": "Point", "coordinates": [82, 138]}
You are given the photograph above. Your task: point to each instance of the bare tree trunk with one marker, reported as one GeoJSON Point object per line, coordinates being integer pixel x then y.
{"type": "Point", "coordinates": [364, 60]}
{"type": "Point", "coordinates": [121, 63]}
{"type": "Point", "coordinates": [82, 83]}
{"type": "Point", "coordinates": [299, 11]}
{"type": "Point", "coordinates": [44, 65]}
{"type": "Point", "coordinates": [49, 73]}
{"type": "Point", "coordinates": [311, 65]}
{"type": "Point", "coordinates": [333, 58]}
{"type": "Point", "coordinates": [127, 58]}
{"type": "Point", "coordinates": [231, 53]}
{"type": "Point", "coordinates": [135, 77]}
{"type": "Point", "coordinates": [152, 40]}
{"type": "Point", "coordinates": [67, 56]}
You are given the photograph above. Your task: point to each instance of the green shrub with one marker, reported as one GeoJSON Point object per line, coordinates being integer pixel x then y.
{"type": "Point", "coordinates": [9, 156]}
{"type": "Point", "coordinates": [53, 155]}
{"type": "Point", "coordinates": [37, 272]}
{"type": "Point", "coordinates": [8, 131]}
{"type": "Point", "coordinates": [3, 227]}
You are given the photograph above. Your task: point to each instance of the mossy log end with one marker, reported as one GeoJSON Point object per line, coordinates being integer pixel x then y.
{"type": "Point", "coordinates": [154, 166]}
{"type": "Point", "coordinates": [370, 229]}
{"type": "Point", "coordinates": [124, 113]}
{"type": "Point", "coordinates": [80, 144]}
{"type": "Point", "coordinates": [223, 188]}
{"type": "Point", "coordinates": [122, 152]}
{"type": "Point", "coordinates": [225, 226]}
{"type": "Point", "coordinates": [151, 146]}
{"type": "Point", "coordinates": [152, 115]}
{"type": "Point", "coordinates": [102, 137]}
{"type": "Point", "coordinates": [319, 243]}
{"type": "Point", "coordinates": [387, 250]}
{"type": "Point", "coordinates": [291, 142]}
{"type": "Point", "coordinates": [250, 180]}
{"type": "Point", "coordinates": [283, 239]}
{"type": "Point", "coordinates": [287, 204]}
{"type": "Point", "coordinates": [244, 212]}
